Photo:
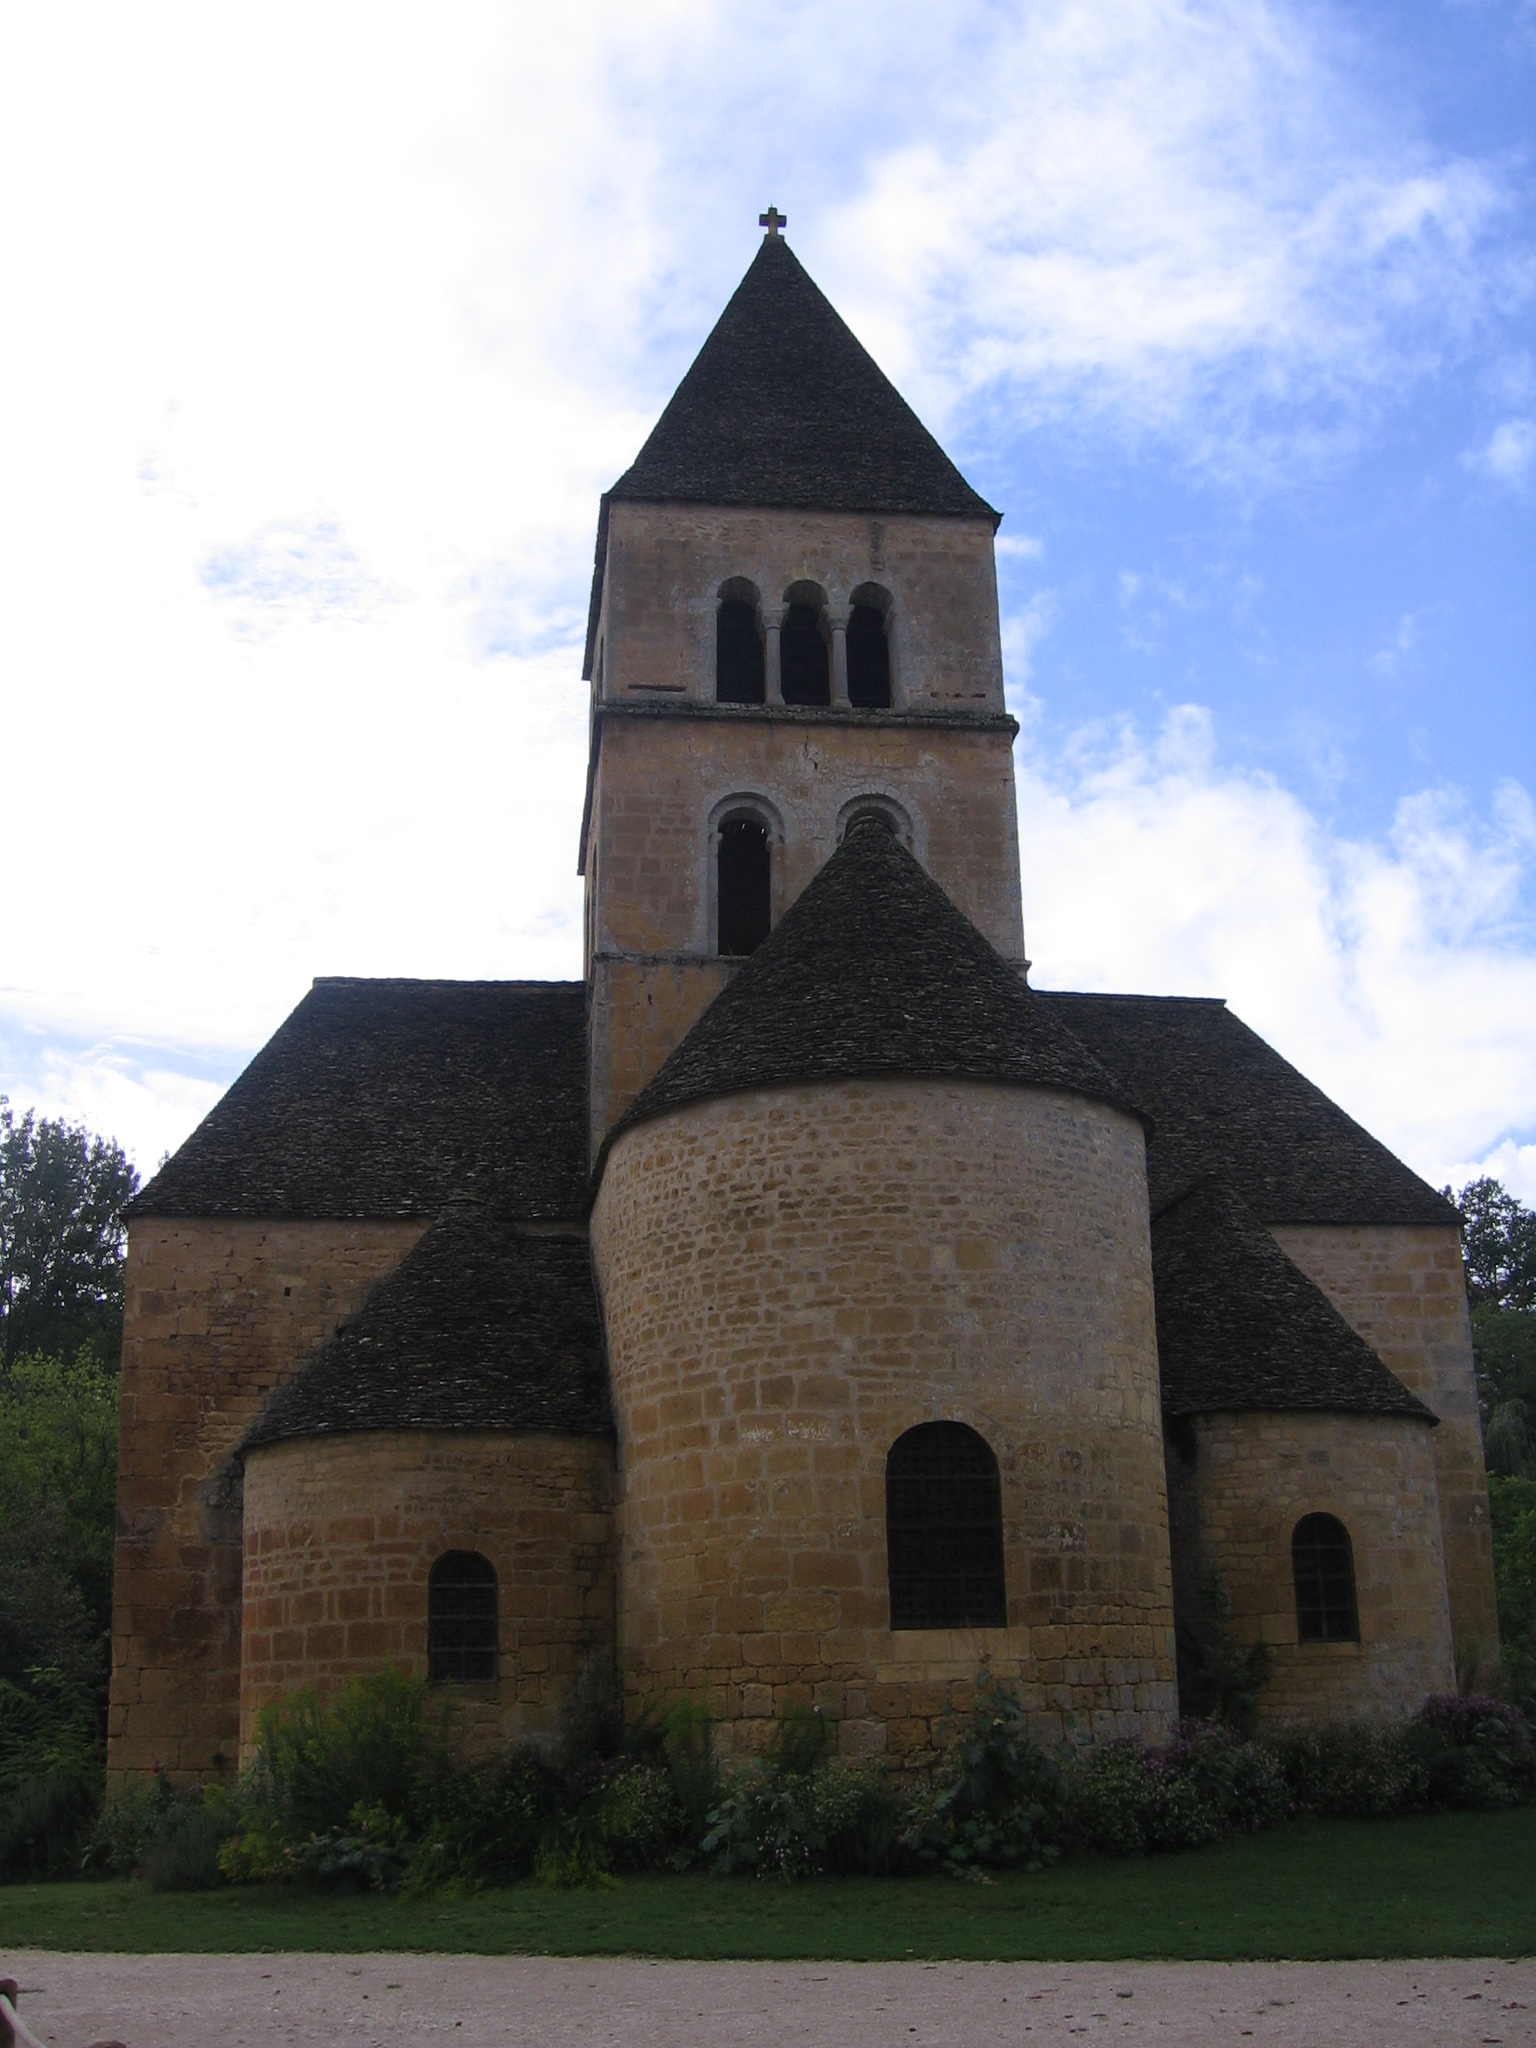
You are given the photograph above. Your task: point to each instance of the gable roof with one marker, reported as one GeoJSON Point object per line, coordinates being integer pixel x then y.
{"type": "Point", "coordinates": [1225, 1104]}
{"type": "Point", "coordinates": [783, 405]}
{"type": "Point", "coordinates": [391, 1098]}
{"type": "Point", "coordinates": [1240, 1326]}
{"type": "Point", "coordinates": [478, 1327]}
{"type": "Point", "coordinates": [872, 971]}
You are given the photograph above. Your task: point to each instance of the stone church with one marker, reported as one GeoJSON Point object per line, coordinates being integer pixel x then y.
{"type": "Point", "coordinates": [800, 1307]}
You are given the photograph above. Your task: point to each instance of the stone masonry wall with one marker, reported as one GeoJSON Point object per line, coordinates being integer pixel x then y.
{"type": "Point", "coordinates": [666, 564]}
{"type": "Point", "coordinates": [793, 1278]}
{"type": "Point", "coordinates": [216, 1314]}
{"type": "Point", "coordinates": [341, 1534]}
{"type": "Point", "coordinates": [660, 784]}
{"type": "Point", "coordinates": [1402, 1288]}
{"type": "Point", "coordinates": [1235, 1503]}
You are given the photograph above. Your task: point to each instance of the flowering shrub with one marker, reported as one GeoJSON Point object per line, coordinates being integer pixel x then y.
{"type": "Point", "coordinates": [648, 1797]}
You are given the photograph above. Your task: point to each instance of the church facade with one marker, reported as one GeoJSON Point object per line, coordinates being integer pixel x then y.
{"type": "Point", "coordinates": [801, 1308]}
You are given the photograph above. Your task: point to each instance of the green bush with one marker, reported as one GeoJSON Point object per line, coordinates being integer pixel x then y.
{"type": "Point", "coordinates": [50, 1775]}
{"type": "Point", "coordinates": [833, 1819]}
{"type": "Point", "coordinates": [182, 1855]}
{"type": "Point", "coordinates": [1351, 1771]}
{"type": "Point", "coordinates": [997, 1799]}
{"type": "Point", "coordinates": [366, 1747]}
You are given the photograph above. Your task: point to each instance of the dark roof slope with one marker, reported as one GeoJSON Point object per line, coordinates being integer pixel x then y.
{"type": "Point", "coordinates": [388, 1098]}
{"type": "Point", "coordinates": [1239, 1325]}
{"type": "Point", "coordinates": [873, 971]}
{"type": "Point", "coordinates": [476, 1328]}
{"type": "Point", "coordinates": [1225, 1104]}
{"type": "Point", "coordinates": [783, 406]}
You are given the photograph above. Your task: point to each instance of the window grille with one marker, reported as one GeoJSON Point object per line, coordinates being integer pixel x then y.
{"type": "Point", "coordinates": [1324, 1569]}
{"type": "Point", "coordinates": [944, 1530]}
{"type": "Point", "coordinates": [461, 1619]}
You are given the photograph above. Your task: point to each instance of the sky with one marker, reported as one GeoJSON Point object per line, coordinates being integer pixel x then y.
{"type": "Point", "coordinates": [326, 326]}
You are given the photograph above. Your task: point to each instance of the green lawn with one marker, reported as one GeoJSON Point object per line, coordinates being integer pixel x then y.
{"type": "Point", "coordinates": [1457, 1884]}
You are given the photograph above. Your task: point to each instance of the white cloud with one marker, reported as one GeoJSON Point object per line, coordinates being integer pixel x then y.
{"type": "Point", "coordinates": [1400, 976]}
{"type": "Point", "coordinates": [1387, 660]}
{"type": "Point", "coordinates": [332, 323]}
{"type": "Point", "coordinates": [1018, 547]}
{"type": "Point", "coordinates": [1508, 455]}
{"type": "Point", "coordinates": [287, 572]}
{"type": "Point", "coordinates": [1182, 217]}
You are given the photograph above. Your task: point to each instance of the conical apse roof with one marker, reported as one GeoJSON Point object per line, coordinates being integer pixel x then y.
{"type": "Point", "coordinates": [873, 972]}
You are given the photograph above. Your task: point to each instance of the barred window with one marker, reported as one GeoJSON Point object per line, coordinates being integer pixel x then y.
{"type": "Point", "coordinates": [944, 1530]}
{"type": "Point", "coordinates": [461, 1619]}
{"type": "Point", "coordinates": [1324, 1567]}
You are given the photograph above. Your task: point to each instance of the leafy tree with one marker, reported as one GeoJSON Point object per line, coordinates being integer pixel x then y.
{"type": "Point", "coordinates": [1499, 1245]}
{"type": "Point", "coordinates": [62, 1195]}
{"type": "Point", "coordinates": [58, 1488]}
{"type": "Point", "coordinates": [1498, 1242]}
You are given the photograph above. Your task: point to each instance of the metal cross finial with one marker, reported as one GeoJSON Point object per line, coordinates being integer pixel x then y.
{"type": "Point", "coordinates": [773, 220]}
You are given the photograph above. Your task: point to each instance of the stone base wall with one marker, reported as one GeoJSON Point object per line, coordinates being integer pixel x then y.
{"type": "Point", "coordinates": [1402, 1288]}
{"type": "Point", "coordinates": [793, 1278]}
{"type": "Point", "coordinates": [216, 1315]}
{"type": "Point", "coordinates": [342, 1532]}
{"type": "Point", "coordinates": [1238, 1486]}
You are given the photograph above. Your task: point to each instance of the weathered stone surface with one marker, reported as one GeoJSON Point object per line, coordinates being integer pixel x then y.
{"type": "Point", "coordinates": [217, 1314]}
{"type": "Point", "coordinates": [341, 1534]}
{"type": "Point", "coordinates": [1403, 1289]}
{"type": "Point", "coordinates": [790, 1280]}
{"type": "Point", "coordinates": [1238, 1487]}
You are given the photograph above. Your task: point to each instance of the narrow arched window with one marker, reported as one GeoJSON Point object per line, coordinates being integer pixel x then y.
{"type": "Point", "coordinates": [744, 877]}
{"type": "Point", "coordinates": [944, 1530]}
{"type": "Point", "coordinates": [738, 654]}
{"type": "Point", "coordinates": [869, 660]}
{"type": "Point", "coordinates": [1324, 1569]}
{"type": "Point", "coordinates": [461, 1619]}
{"type": "Point", "coordinates": [804, 673]}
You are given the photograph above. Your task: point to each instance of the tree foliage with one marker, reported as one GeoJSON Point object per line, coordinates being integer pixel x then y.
{"type": "Point", "coordinates": [1498, 1236]}
{"type": "Point", "coordinates": [58, 1491]}
{"type": "Point", "coordinates": [62, 1195]}
{"type": "Point", "coordinates": [1498, 1242]}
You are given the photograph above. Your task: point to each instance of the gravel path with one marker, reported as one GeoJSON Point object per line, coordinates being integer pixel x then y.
{"type": "Point", "coordinates": [241, 2001]}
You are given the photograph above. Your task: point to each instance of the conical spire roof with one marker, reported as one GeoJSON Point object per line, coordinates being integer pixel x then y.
{"type": "Point", "coordinates": [873, 972]}
{"type": "Point", "coordinates": [783, 406]}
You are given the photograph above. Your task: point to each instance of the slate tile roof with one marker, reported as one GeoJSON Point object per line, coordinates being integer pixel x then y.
{"type": "Point", "coordinates": [872, 971]}
{"type": "Point", "coordinates": [391, 1098]}
{"type": "Point", "coordinates": [784, 406]}
{"type": "Point", "coordinates": [1240, 1326]}
{"type": "Point", "coordinates": [1225, 1104]}
{"type": "Point", "coordinates": [478, 1327]}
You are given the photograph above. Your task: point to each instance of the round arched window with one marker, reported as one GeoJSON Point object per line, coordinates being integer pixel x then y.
{"type": "Point", "coordinates": [461, 1619]}
{"type": "Point", "coordinates": [1324, 1568]}
{"type": "Point", "coordinates": [944, 1530]}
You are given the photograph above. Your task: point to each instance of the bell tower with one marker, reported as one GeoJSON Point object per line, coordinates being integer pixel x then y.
{"type": "Point", "coordinates": [793, 621]}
